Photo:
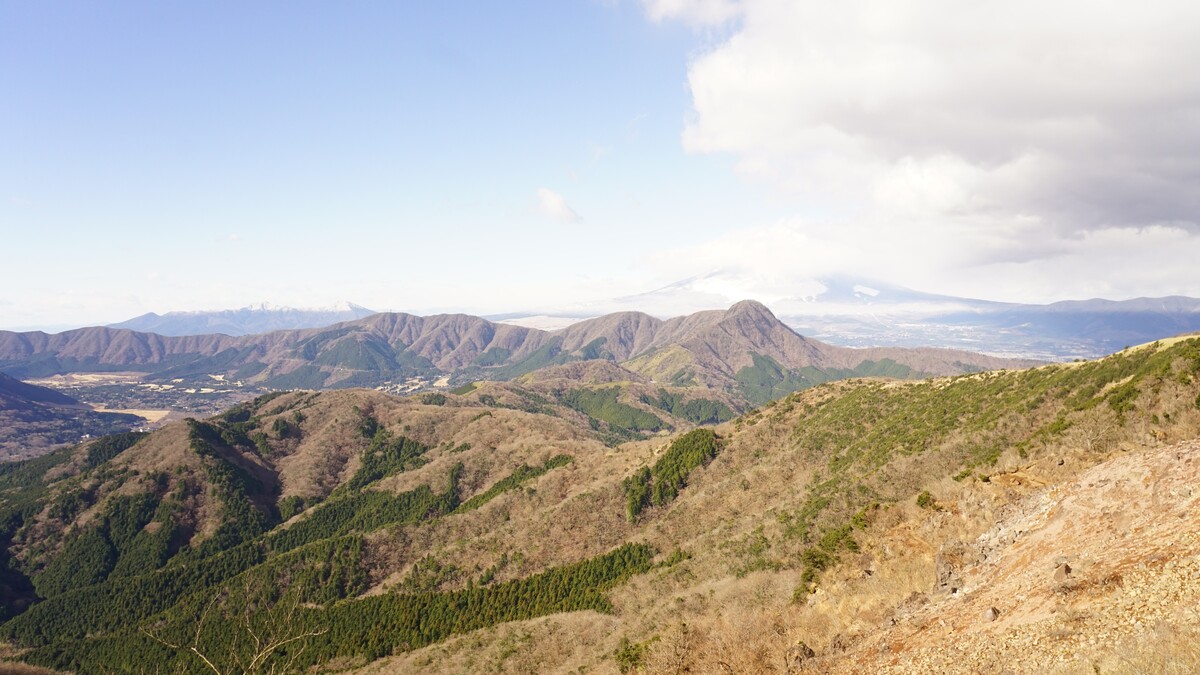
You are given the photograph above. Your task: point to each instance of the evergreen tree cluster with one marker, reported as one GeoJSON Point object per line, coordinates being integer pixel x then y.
{"type": "Point", "coordinates": [660, 485]}
{"type": "Point", "coordinates": [602, 404]}
{"type": "Point", "coordinates": [388, 454]}
{"type": "Point", "coordinates": [696, 410]}
{"type": "Point", "coordinates": [367, 628]}
{"type": "Point", "coordinates": [520, 475]}
{"type": "Point", "coordinates": [368, 510]}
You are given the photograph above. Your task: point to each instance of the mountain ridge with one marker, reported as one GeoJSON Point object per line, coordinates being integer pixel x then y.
{"type": "Point", "coordinates": [712, 348]}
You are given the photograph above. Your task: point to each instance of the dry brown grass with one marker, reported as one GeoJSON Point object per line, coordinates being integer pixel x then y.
{"type": "Point", "coordinates": [563, 643]}
{"type": "Point", "coordinates": [698, 617]}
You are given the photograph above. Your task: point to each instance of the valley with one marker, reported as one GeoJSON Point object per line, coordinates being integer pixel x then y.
{"type": "Point", "coordinates": [129, 392]}
{"type": "Point", "coordinates": [638, 374]}
{"type": "Point", "coordinates": [35, 420]}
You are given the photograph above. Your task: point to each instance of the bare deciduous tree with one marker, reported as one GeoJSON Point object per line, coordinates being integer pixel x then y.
{"type": "Point", "coordinates": [267, 623]}
{"type": "Point", "coordinates": [1094, 429]}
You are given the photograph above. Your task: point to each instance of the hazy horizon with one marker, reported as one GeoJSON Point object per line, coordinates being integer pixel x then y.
{"type": "Point", "coordinates": [787, 310]}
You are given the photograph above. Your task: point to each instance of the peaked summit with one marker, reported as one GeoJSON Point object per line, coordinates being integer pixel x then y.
{"type": "Point", "coordinates": [742, 349]}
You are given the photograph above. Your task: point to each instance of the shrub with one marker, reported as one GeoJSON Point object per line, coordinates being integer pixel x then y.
{"type": "Point", "coordinates": [434, 398]}
{"type": "Point", "coordinates": [926, 501]}
{"type": "Point", "coordinates": [630, 656]}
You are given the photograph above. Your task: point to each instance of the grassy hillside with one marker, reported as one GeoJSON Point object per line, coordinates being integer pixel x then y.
{"type": "Point", "coordinates": [346, 527]}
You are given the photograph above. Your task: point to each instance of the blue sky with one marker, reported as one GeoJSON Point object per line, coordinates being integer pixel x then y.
{"type": "Point", "coordinates": [491, 157]}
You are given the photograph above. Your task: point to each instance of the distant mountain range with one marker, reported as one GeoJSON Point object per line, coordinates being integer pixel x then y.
{"type": "Point", "coordinates": [844, 311]}
{"type": "Point", "coordinates": [744, 350]}
{"type": "Point", "coordinates": [1084, 329]}
{"type": "Point", "coordinates": [250, 320]}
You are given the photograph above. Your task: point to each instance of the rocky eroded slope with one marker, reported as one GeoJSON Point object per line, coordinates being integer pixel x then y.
{"type": "Point", "coordinates": [1100, 573]}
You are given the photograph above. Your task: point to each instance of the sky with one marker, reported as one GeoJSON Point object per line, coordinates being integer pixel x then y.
{"type": "Point", "coordinates": [556, 155]}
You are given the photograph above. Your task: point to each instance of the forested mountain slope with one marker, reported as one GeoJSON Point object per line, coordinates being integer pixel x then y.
{"type": "Point", "coordinates": [352, 529]}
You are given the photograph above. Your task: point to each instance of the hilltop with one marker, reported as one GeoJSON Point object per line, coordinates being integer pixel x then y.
{"type": "Point", "coordinates": [842, 310]}
{"type": "Point", "coordinates": [836, 528]}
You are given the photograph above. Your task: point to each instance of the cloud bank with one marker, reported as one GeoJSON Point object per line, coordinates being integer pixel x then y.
{"type": "Point", "coordinates": [999, 137]}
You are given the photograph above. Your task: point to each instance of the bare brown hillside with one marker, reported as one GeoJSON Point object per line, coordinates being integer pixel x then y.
{"type": "Point", "coordinates": [861, 525]}
{"type": "Point", "coordinates": [1128, 604]}
{"type": "Point", "coordinates": [1097, 574]}
{"type": "Point", "coordinates": [1113, 499]}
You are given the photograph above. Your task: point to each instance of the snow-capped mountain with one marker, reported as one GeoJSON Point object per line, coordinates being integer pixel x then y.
{"type": "Point", "coordinates": [870, 313]}
{"type": "Point", "coordinates": [862, 312]}
{"type": "Point", "coordinates": [250, 320]}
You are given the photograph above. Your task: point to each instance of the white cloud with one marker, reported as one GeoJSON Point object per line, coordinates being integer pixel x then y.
{"type": "Point", "coordinates": [984, 146]}
{"type": "Point", "coordinates": [784, 263]}
{"type": "Point", "coordinates": [1083, 114]}
{"type": "Point", "coordinates": [554, 205]}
